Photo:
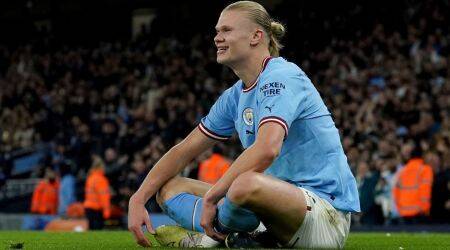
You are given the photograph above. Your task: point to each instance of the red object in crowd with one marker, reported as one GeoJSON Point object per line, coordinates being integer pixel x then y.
{"type": "Point", "coordinates": [97, 195]}
{"type": "Point", "coordinates": [213, 168]}
{"type": "Point", "coordinates": [45, 197]}
{"type": "Point", "coordinates": [75, 210]}
{"type": "Point", "coordinates": [412, 191]}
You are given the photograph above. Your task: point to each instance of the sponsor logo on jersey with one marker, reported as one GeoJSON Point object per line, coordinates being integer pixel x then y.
{"type": "Point", "coordinates": [272, 89]}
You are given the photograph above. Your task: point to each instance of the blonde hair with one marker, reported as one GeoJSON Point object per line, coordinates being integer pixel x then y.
{"type": "Point", "coordinates": [259, 15]}
{"type": "Point", "coordinates": [97, 163]}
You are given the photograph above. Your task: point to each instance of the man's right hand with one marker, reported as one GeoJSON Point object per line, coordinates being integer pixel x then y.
{"type": "Point", "coordinates": [138, 216]}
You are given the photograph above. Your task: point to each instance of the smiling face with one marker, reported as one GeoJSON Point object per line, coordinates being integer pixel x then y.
{"type": "Point", "coordinates": [235, 36]}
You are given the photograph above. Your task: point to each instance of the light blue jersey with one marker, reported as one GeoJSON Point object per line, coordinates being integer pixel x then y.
{"type": "Point", "coordinates": [312, 156]}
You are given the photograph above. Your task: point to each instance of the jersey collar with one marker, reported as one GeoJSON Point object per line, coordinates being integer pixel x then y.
{"type": "Point", "coordinates": [264, 65]}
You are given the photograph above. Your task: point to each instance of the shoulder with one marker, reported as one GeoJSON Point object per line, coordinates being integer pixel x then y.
{"type": "Point", "coordinates": [428, 169]}
{"type": "Point", "coordinates": [280, 67]}
{"type": "Point", "coordinates": [41, 185]}
{"type": "Point", "coordinates": [230, 97]}
{"type": "Point", "coordinates": [234, 90]}
{"type": "Point", "coordinates": [105, 179]}
{"type": "Point", "coordinates": [287, 73]}
{"type": "Point", "coordinates": [101, 177]}
{"type": "Point", "coordinates": [281, 75]}
{"type": "Point", "coordinates": [100, 181]}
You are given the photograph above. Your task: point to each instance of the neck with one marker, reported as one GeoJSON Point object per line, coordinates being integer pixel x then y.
{"type": "Point", "coordinates": [248, 70]}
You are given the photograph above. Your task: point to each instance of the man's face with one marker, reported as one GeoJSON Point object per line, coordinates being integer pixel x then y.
{"type": "Point", "coordinates": [234, 33]}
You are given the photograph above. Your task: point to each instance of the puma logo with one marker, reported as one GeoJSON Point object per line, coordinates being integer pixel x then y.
{"type": "Point", "coordinates": [269, 108]}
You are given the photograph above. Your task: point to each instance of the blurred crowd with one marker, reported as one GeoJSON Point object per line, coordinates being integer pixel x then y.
{"type": "Point", "coordinates": [387, 88]}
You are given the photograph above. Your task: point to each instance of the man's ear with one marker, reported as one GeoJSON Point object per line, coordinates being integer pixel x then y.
{"type": "Point", "coordinates": [257, 37]}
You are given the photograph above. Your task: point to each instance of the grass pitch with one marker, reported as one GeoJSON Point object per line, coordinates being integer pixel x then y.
{"type": "Point", "coordinates": [124, 240]}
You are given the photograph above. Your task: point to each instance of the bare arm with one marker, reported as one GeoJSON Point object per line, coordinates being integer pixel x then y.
{"type": "Point", "coordinates": [257, 158]}
{"type": "Point", "coordinates": [172, 163]}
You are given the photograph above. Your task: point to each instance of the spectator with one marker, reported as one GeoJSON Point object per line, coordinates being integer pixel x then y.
{"type": "Point", "coordinates": [384, 188]}
{"type": "Point", "coordinates": [440, 195]}
{"type": "Point", "coordinates": [367, 180]}
{"type": "Point", "coordinates": [97, 201]}
{"type": "Point", "coordinates": [45, 195]}
{"type": "Point", "coordinates": [67, 188]}
{"type": "Point", "coordinates": [412, 190]}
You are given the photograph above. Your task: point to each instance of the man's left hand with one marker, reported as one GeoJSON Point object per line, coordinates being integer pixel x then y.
{"type": "Point", "coordinates": [207, 220]}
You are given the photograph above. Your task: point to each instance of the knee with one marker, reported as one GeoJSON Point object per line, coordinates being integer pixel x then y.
{"type": "Point", "coordinates": [244, 188]}
{"type": "Point", "coordinates": [169, 190]}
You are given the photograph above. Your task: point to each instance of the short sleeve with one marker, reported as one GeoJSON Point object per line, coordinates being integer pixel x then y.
{"type": "Point", "coordinates": [279, 98]}
{"type": "Point", "coordinates": [219, 123]}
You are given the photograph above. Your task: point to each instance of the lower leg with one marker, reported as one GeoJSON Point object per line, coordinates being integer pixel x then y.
{"type": "Point", "coordinates": [180, 199]}
{"type": "Point", "coordinates": [234, 218]}
{"type": "Point", "coordinates": [178, 185]}
{"type": "Point", "coordinates": [280, 206]}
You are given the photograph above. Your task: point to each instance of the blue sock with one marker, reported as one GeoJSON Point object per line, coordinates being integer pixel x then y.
{"type": "Point", "coordinates": [186, 210]}
{"type": "Point", "coordinates": [233, 218]}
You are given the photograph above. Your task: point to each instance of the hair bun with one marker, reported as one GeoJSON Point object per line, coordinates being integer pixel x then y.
{"type": "Point", "coordinates": [277, 30]}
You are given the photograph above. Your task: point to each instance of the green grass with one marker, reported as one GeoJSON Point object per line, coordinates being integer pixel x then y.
{"type": "Point", "coordinates": [398, 241]}
{"type": "Point", "coordinates": [124, 240]}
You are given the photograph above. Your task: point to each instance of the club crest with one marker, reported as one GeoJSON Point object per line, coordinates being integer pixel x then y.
{"type": "Point", "coordinates": [247, 115]}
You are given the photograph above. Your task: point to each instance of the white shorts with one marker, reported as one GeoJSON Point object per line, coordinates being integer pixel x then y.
{"type": "Point", "coordinates": [323, 226]}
